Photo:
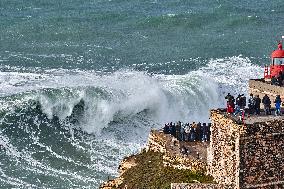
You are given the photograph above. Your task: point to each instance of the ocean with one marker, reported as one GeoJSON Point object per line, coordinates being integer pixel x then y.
{"type": "Point", "coordinates": [83, 82]}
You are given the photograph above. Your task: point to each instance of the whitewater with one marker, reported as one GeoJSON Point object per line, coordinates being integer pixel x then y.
{"type": "Point", "coordinates": [70, 128]}
{"type": "Point", "coordinates": [83, 82]}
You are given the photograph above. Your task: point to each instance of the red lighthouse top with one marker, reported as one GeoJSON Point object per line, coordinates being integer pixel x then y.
{"type": "Point", "coordinates": [276, 67]}
{"type": "Point", "coordinates": [279, 53]}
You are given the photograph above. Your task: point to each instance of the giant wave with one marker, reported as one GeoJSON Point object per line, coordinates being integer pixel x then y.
{"type": "Point", "coordinates": [70, 128]}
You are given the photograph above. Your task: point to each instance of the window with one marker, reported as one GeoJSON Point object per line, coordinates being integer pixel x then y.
{"type": "Point", "coordinates": [278, 61]}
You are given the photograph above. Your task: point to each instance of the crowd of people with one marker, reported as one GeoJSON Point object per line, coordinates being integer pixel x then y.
{"type": "Point", "coordinates": [188, 132]}
{"type": "Point", "coordinates": [238, 106]}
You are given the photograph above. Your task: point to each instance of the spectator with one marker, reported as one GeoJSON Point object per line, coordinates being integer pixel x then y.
{"type": "Point", "coordinates": [243, 101]}
{"type": "Point", "coordinates": [182, 132]}
{"type": "Point", "coordinates": [205, 133]}
{"type": "Point", "coordinates": [238, 105]}
{"type": "Point", "coordinates": [178, 127]}
{"type": "Point", "coordinates": [192, 132]}
{"type": "Point", "coordinates": [171, 128]}
{"type": "Point", "coordinates": [174, 131]}
{"type": "Point", "coordinates": [187, 132]}
{"type": "Point", "coordinates": [166, 129]}
{"type": "Point", "coordinates": [267, 104]}
{"type": "Point", "coordinates": [209, 131]}
{"type": "Point", "coordinates": [251, 104]}
{"type": "Point", "coordinates": [230, 103]}
{"type": "Point", "coordinates": [277, 105]}
{"type": "Point", "coordinates": [198, 132]}
{"type": "Point", "coordinates": [257, 102]}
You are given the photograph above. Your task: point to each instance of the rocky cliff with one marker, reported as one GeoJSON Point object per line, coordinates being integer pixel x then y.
{"type": "Point", "coordinates": [159, 164]}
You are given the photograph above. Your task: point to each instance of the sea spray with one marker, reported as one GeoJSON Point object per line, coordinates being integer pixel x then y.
{"type": "Point", "coordinates": [95, 119]}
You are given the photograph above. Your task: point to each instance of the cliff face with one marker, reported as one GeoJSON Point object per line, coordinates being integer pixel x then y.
{"type": "Point", "coordinates": [161, 160]}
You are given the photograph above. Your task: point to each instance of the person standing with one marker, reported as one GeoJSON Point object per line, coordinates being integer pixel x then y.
{"type": "Point", "coordinates": [193, 132]}
{"type": "Point", "coordinates": [257, 102]}
{"type": "Point", "coordinates": [277, 105]}
{"type": "Point", "coordinates": [251, 104]}
{"type": "Point", "coordinates": [198, 132]}
{"type": "Point", "coordinates": [238, 105]}
{"type": "Point", "coordinates": [205, 133]}
{"type": "Point", "coordinates": [182, 132]}
{"type": "Point", "coordinates": [178, 127]}
{"type": "Point", "coordinates": [230, 103]}
{"type": "Point", "coordinates": [243, 102]}
{"type": "Point", "coordinates": [166, 129]}
{"type": "Point", "coordinates": [187, 132]}
{"type": "Point", "coordinates": [267, 104]}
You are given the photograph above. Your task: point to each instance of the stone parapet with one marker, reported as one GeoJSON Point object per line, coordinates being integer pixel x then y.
{"type": "Point", "coordinates": [223, 152]}
{"type": "Point", "coordinates": [158, 141]}
{"type": "Point", "coordinates": [197, 186]}
{"type": "Point", "coordinates": [259, 85]}
{"type": "Point", "coordinates": [170, 147]}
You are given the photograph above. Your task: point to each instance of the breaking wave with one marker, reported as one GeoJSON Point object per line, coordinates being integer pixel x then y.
{"type": "Point", "coordinates": [94, 119]}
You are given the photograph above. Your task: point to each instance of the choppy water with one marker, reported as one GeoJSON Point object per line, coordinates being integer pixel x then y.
{"type": "Point", "coordinates": [83, 82]}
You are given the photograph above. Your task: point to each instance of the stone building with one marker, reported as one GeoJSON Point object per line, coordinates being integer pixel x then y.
{"type": "Point", "coordinates": [249, 154]}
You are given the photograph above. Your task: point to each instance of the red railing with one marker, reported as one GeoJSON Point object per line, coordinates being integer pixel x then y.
{"type": "Point", "coordinates": [266, 72]}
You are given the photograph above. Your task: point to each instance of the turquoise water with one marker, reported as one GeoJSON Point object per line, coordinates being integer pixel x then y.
{"type": "Point", "coordinates": [83, 82]}
{"type": "Point", "coordinates": [140, 35]}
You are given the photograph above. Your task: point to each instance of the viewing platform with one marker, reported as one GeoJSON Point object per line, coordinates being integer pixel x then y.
{"type": "Point", "coordinates": [195, 150]}
{"type": "Point", "coordinates": [240, 154]}
{"type": "Point", "coordinates": [251, 119]}
{"type": "Point", "coordinates": [261, 87]}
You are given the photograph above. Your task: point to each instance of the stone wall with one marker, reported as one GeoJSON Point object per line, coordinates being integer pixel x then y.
{"type": "Point", "coordinates": [197, 186]}
{"type": "Point", "coordinates": [223, 152]}
{"type": "Point", "coordinates": [259, 87]}
{"type": "Point", "coordinates": [170, 147]}
{"type": "Point", "coordinates": [246, 156]}
{"type": "Point", "coordinates": [262, 155]}
{"type": "Point", "coordinates": [157, 141]}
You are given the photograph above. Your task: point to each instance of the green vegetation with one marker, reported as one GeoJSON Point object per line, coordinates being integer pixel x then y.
{"type": "Point", "coordinates": [150, 173]}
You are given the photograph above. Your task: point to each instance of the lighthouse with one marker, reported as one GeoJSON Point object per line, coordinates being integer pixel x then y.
{"type": "Point", "coordinates": [277, 63]}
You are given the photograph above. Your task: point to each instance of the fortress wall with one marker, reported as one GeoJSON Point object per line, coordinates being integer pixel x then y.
{"type": "Point", "coordinates": [223, 152]}
{"type": "Point", "coordinates": [246, 156]}
{"type": "Point", "coordinates": [157, 141]}
{"type": "Point", "coordinates": [258, 87]}
{"type": "Point", "coordinates": [262, 155]}
{"type": "Point", "coordinates": [170, 147]}
{"type": "Point", "coordinates": [266, 88]}
{"type": "Point", "coordinates": [197, 186]}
